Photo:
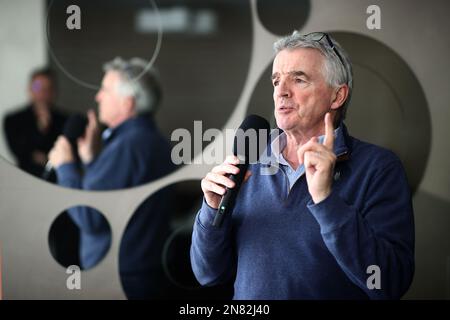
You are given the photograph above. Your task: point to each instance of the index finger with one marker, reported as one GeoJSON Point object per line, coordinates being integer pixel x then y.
{"type": "Point", "coordinates": [61, 142]}
{"type": "Point", "coordinates": [232, 159]}
{"type": "Point", "coordinates": [329, 132]}
{"type": "Point", "coordinates": [92, 118]}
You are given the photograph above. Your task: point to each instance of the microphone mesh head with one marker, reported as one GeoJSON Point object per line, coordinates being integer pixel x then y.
{"type": "Point", "coordinates": [251, 138]}
{"type": "Point", "coordinates": [75, 127]}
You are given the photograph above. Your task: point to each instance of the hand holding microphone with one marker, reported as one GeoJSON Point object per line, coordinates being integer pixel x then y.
{"type": "Point", "coordinates": [222, 184]}
{"type": "Point", "coordinates": [215, 182]}
{"type": "Point", "coordinates": [65, 148]}
{"type": "Point", "coordinates": [60, 154]}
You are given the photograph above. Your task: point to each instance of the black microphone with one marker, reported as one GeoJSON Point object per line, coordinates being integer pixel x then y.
{"type": "Point", "coordinates": [250, 149]}
{"type": "Point", "coordinates": [73, 128]}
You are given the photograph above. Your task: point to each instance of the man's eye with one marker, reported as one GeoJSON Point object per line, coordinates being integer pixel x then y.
{"type": "Point", "coordinates": [299, 80]}
{"type": "Point", "coordinates": [275, 83]}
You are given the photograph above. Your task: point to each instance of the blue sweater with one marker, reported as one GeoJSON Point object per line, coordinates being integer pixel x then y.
{"type": "Point", "coordinates": [278, 244]}
{"type": "Point", "coordinates": [134, 153]}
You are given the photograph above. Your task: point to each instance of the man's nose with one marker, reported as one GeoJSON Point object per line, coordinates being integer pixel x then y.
{"type": "Point", "coordinates": [283, 90]}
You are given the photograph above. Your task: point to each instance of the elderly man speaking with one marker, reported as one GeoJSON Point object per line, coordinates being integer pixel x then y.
{"type": "Point", "coordinates": [335, 221]}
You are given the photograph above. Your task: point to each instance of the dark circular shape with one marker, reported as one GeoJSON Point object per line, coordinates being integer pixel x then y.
{"type": "Point", "coordinates": [176, 261]}
{"type": "Point", "coordinates": [154, 260]}
{"type": "Point", "coordinates": [388, 106]}
{"type": "Point", "coordinates": [281, 17]}
{"type": "Point", "coordinates": [146, 271]}
{"type": "Point", "coordinates": [69, 237]}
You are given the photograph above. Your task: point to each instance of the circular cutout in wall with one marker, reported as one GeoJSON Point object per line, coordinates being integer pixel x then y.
{"type": "Point", "coordinates": [294, 15]}
{"type": "Point", "coordinates": [154, 259]}
{"type": "Point", "coordinates": [79, 236]}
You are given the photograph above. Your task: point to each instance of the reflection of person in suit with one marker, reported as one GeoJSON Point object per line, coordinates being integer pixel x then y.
{"type": "Point", "coordinates": [129, 153]}
{"type": "Point", "coordinates": [32, 131]}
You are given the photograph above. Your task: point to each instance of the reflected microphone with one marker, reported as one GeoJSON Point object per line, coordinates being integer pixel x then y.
{"type": "Point", "coordinates": [73, 129]}
{"type": "Point", "coordinates": [243, 148]}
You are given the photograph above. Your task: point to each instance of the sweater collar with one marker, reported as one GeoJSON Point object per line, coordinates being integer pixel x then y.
{"type": "Point", "coordinates": [136, 121]}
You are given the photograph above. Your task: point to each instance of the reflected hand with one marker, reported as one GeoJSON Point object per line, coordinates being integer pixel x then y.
{"type": "Point", "coordinates": [215, 182]}
{"type": "Point", "coordinates": [61, 152]}
{"type": "Point", "coordinates": [90, 144]}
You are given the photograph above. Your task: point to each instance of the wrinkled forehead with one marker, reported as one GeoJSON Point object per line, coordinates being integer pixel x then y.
{"type": "Point", "coordinates": [111, 78]}
{"type": "Point", "coordinates": [307, 60]}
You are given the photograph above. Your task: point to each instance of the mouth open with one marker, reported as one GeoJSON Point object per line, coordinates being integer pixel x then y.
{"type": "Point", "coordinates": [285, 109]}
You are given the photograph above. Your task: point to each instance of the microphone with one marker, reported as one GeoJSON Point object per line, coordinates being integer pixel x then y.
{"type": "Point", "coordinates": [242, 141]}
{"type": "Point", "coordinates": [74, 128]}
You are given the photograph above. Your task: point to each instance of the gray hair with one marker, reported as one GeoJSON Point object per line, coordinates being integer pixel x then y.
{"type": "Point", "coordinates": [335, 72]}
{"type": "Point", "coordinates": [137, 82]}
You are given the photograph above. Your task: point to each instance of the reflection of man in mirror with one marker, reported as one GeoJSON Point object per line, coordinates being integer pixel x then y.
{"type": "Point", "coordinates": [130, 152]}
{"type": "Point", "coordinates": [31, 132]}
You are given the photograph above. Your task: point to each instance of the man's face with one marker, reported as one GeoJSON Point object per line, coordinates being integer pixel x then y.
{"type": "Point", "coordinates": [41, 90]}
{"type": "Point", "coordinates": [301, 94]}
{"type": "Point", "coordinates": [109, 101]}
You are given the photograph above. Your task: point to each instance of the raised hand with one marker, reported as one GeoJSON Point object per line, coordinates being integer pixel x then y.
{"type": "Point", "coordinates": [319, 160]}
{"type": "Point", "coordinates": [89, 145]}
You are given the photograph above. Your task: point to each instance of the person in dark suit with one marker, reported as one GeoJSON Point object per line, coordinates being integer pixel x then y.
{"type": "Point", "coordinates": [32, 131]}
